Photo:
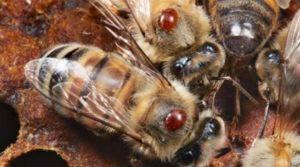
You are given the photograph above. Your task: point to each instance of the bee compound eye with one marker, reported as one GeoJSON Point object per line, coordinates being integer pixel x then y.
{"type": "Point", "coordinates": [211, 128]}
{"type": "Point", "coordinates": [181, 65]}
{"type": "Point", "coordinates": [189, 155]}
{"type": "Point", "coordinates": [175, 120]}
{"type": "Point", "coordinates": [168, 19]}
{"type": "Point", "coordinates": [273, 57]}
{"type": "Point", "coordinates": [208, 48]}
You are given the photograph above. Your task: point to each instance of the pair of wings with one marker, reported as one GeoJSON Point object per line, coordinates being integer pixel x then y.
{"type": "Point", "coordinates": [95, 103]}
{"type": "Point", "coordinates": [291, 55]}
{"type": "Point", "coordinates": [290, 75]}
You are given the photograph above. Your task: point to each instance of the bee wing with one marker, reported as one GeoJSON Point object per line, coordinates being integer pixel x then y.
{"type": "Point", "coordinates": [284, 4]}
{"type": "Point", "coordinates": [141, 11]}
{"type": "Point", "coordinates": [98, 107]}
{"type": "Point", "coordinates": [292, 48]}
{"type": "Point", "coordinates": [81, 96]}
{"type": "Point", "coordinates": [289, 115]}
{"type": "Point", "coordinates": [125, 43]}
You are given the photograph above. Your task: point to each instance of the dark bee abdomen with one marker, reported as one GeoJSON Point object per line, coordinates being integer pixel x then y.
{"type": "Point", "coordinates": [244, 26]}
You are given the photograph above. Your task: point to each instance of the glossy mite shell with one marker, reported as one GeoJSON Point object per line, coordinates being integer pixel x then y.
{"type": "Point", "coordinates": [168, 19]}
{"type": "Point", "coordinates": [175, 120]}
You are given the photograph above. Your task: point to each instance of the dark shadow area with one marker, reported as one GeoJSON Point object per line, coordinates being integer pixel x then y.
{"type": "Point", "coordinates": [9, 126]}
{"type": "Point", "coordinates": [39, 158]}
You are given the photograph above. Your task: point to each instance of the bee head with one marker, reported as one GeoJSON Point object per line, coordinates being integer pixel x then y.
{"type": "Point", "coordinates": [201, 151]}
{"type": "Point", "coordinates": [269, 73]}
{"type": "Point", "coordinates": [179, 129]}
{"type": "Point", "coordinates": [207, 58]}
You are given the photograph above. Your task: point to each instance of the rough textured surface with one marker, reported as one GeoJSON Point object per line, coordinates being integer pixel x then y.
{"type": "Point", "coordinates": [29, 26]}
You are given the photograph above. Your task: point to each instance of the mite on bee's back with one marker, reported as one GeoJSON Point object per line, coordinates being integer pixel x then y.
{"type": "Point", "coordinates": [177, 36]}
{"type": "Point", "coordinates": [166, 29]}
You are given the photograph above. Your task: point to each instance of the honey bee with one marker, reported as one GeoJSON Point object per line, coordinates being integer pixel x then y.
{"type": "Point", "coordinates": [243, 26]}
{"type": "Point", "coordinates": [177, 35]}
{"type": "Point", "coordinates": [199, 71]}
{"type": "Point", "coordinates": [268, 69]}
{"type": "Point", "coordinates": [279, 75]}
{"type": "Point", "coordinates": [121, 91]}
{"type": "Point", "coordinates": [166, 29]}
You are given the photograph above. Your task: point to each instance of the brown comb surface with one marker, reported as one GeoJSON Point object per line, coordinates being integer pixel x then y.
{"type": "Point", "coordinates": [30, 131]}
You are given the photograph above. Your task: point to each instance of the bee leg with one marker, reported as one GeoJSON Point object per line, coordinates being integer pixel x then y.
{"type": "Point", "coordinates": [241, 89]}
{"type": "Point", "coordinates": [237, 112]}
{"type": "Point", "coordinates": [264, 123]}
{"type": "Point", "coordinates": [214, 94]}
{"type": "Point", "coordinates": [265, 120]}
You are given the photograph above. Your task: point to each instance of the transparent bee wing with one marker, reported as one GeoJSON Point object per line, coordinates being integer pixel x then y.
{"type": "Point", "coordinates": [289, 115]}
{"type": "Point", "coordinates": [141, 11]}
{"type": "Point", "coordinates": [97, 107]}
{"type": "Point", "coordinates": [292, 50]}
{"type": "Point", "coordinates": [284, 4]}
{"type": "Point", "coordinates": [80, 95]}
{"type": "Point", "coordinates": [36, 70]}
{"type": "Point", "coordinates": [125, 43]}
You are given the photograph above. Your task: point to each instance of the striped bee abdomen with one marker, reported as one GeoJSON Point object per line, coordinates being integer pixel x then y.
{"type": "Point", "coordinates": [79, 70]}
{"type": "Point", "coordinates": [109, 72]}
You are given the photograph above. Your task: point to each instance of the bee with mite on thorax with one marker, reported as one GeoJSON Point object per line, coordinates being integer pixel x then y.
{"type": "Point", "coordinates": [279, 77]}
{"type": "Point", "coordinates": [121, 91]}
{"type": "Point", "coordinates": [243, 27]}
{"type": "Point", "coordinates": [176, 35]}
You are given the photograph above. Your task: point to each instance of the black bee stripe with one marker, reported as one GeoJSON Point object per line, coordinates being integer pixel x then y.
{"type": "Point", "coordinates": [247, 7]}
{"type": "Point", "coordinates": [44, 69]}
{"type": "Point", "coordinates": [99, 67]}
{"type": "Point", "coordinates": [269, 10]}
{"type": "Point", "coordinates": [94, 75]}
{"type": "Point", "coordinates": [75, 54]}
{"type": "Point", "coordinates": [55, 52]}
{"type": "Point", "coordinates": [266, 6]}
{"type": "Point", "coordinates": [57, 76]}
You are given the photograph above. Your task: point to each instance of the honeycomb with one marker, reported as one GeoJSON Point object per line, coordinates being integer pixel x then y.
{"type": "Point", "coordinates": [32, 134]}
